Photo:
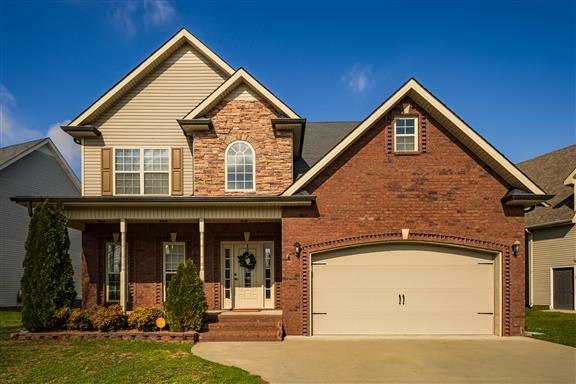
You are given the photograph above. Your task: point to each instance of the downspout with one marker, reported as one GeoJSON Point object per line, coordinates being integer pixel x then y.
{"type": "Point", "coordinates": [529, 253]}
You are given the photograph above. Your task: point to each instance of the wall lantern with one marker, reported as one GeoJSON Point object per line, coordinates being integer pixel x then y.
{"type": "Point", "coordinates": [173, 236]}
{"type": "Point", "coordinates": [297, 249]}
{"type": "Point", "coordinates": [115, 236]}
{"type": "Point", "coordinates": [515, 248]}
{"type": "Point", "coordinates": [246, 236]}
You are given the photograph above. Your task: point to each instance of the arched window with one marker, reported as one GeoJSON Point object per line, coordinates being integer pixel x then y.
{"type": "Point", "coordinates": [240, 167]}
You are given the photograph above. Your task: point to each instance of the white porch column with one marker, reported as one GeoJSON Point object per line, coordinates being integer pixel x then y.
{"type": "Point", "coordinates": [201, 228]}
{"type": "Point", "coordinates": [123, 272]}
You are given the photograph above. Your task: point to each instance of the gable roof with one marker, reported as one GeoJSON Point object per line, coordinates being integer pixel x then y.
{"type": "Point", "coordinates": [550, 171]}
{"type": "Point", "coordinates": [11, 154]}
{"type": "Point", "coordinates": [465, 134]}
{"type": "Point", "coordinates": [241, 76]}
{"type": "Point", "coordinates": [145, 67]}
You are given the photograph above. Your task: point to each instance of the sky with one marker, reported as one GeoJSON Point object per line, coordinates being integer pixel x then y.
{"type": "Point", "coordinates": [508, 68]}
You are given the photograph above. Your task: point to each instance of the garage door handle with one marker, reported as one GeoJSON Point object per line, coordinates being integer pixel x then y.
{"type": "Point", "coordinates": [399, 299]}
{"type": "Point", "coordinates": [485, 313]}
{"type": "Point", "coordinates": [403, 300]}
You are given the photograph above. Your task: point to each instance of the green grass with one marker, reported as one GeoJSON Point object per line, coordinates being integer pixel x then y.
{"type": "Point", "coordinates": [557, 327]}
{"type": "Point", "coordinates": [106, 361]}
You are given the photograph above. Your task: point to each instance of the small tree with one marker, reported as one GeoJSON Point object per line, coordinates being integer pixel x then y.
{"type": "Point", "coordinates": [185, 303]}
{"type": "Point", "coordinates": [48, 280]}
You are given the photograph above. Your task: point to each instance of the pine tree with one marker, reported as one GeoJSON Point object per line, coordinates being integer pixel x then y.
{"type": "Point", "coordinates": [185, 300]}
{"type": "Point", "coordinates": [48, 280]}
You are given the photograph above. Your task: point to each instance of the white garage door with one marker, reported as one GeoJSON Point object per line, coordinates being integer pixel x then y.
{"type": "Point", "coordinates": [402, 289]}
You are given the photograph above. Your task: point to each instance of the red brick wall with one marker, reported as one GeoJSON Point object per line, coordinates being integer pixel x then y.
{"type": "Point", "coordinates": [444, 190]}
{"type": "Point", "coordinates": [145, 257]}
{"type": "Point", "coordinates": [250, 121]}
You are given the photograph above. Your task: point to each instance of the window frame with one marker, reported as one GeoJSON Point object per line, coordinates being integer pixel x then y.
{"type": "Point", "coordinates": [415, 135]}
{"type": "Point", "coordinates": [226, 189]}
{"type": "Point", "coordinates": [108, 243]}
{"type": "Point", "coordinates": [141, 171]}
{"type": "Point", "coordinates": [164, 243]}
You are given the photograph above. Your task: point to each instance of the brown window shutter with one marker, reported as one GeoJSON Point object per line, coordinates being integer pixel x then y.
{"type": "Point", "coordinates": [177, 174]}
{"type": "Point", "coordinates": [106, 167]}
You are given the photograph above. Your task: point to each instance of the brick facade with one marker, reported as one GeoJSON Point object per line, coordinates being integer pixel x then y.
{"type": "Point", "coordinates": [145, 258]}
{"type": "Point", "coordinates": [250, 121]}
{"type": "Point", "coordinates": [444, 194]}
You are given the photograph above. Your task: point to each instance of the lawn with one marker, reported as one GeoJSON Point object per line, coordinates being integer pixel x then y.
{"type": "Point", "coordinates": [105, 361]}
{"type": "Point", "coordinates": [557, 327]}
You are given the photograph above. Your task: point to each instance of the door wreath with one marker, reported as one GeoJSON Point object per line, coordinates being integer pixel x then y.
{"type": "Point", "coordinates": [247, 260]}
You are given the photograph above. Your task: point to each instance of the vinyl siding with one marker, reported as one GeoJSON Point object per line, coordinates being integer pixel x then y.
{"type": "Point", "coordinates": [146, 115]}
{"type": "Point", "coordinates": [38, 174]}
{"type": "Point", "coordinates": [551, 248]}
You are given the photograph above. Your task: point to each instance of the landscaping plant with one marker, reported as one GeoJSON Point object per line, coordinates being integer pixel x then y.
{"type": "Point", "coordinates": [111, 318]}
{"type": "Point", "coordinates": [79, 320]}
{"type": "Point", "coordinates": [48, 280]}
{"type": "Point", "coordinates": [185, 304]}
{"type": "Point", "coordinates": [144, 319]}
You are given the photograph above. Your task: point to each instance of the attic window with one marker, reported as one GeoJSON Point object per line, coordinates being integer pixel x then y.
{"type": "Point", "coordinates": [406, 134]}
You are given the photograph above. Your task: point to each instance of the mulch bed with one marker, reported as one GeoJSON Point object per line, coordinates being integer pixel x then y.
{"type": "Point", "coordinates": [190, 337]}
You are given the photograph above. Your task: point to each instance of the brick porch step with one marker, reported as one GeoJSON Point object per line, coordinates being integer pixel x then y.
{"type": "Point", "coordinates": [242, 327]}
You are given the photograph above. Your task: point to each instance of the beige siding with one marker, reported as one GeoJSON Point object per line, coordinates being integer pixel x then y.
{"type": "Point", "coordinates": [146, 115]}
{"type": "Point", "coordinates": [551, 247]}
{"type": "Point", "coordinates": [242, 92]}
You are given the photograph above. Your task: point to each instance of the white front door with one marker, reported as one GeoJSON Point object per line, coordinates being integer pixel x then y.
{"type": "Point", "coordinates": [244, 287]}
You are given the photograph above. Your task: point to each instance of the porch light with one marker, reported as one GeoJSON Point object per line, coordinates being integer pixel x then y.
{"type": "Point", "coordinates": [115, 236]}
{"type": "Point", "coordinates": [297, 249]}
{"type": "Point", "coordinates": [173, 236]}
{"type": "Point", "coordinates": [246, 236]}
{"type": "Point", "coordinates": [515, 248]}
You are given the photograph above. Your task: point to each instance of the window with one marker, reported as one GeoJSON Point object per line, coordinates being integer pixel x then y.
{"type": "Point", "coordinates": [240, 167]}
{"type": "Point", "coordinates": [405, 134]}
{"type": "Point", "coordinates": [113, 272]}
{"type": "Point", "coordinates": [174, 255]}
{"type": "Point", "coordinates": [146, 166]}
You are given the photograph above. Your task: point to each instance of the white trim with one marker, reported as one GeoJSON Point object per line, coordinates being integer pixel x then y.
{"type": "Point", "coordinates": [515, 177]}
{"type": "Point", "coordinates": [552, 284]}
{"type": "Point", "coordinates": [239, 77]}
{"type": "Point", "coordinates": [416, 134]}
{"type": "Point", "coordinates": [63, 163]}
{"type": "Point", "coordinates": [571, 179]}
{"type": "Point", "coordinates": [82, 175]}
{"type": "Point", "coordinates": [183, 36]}
{"type": "Point", "coordinates": [530, 267]}
{"type": "Point", "coordinates": [141, 171]}
{"type": "Point", "coordinates": [226, 189]}
{"type": "Point", "coordinates": [164, 243]}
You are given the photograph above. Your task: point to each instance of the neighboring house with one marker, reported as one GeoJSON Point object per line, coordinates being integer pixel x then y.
{"type": "Point", "coordinates": [34, 168]}
{"type": "Point", "coordinates": [551, 231]}
{"type": "Point", "coordinates": [404, 223]}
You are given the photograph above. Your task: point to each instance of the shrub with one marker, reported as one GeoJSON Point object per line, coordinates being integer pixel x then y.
{"type": "Point", "coordinates": [144, 319]}
{"type": "Point", "coordinates": [79, 320]}
{"type": "Point", "coordinates": [185, 304]}
{"type": "Point", "coordinates": [48, 280]}
{"type": "Point", "coordinates": [107, 319]}
{"type": "Point", "coordinates": [61, 317]}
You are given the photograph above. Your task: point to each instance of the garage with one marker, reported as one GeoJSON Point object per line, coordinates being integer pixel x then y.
{"type": "Point", "coordinates": [404, 289]}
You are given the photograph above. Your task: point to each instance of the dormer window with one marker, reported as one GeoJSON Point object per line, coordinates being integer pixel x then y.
{"type": "Point", "coordinates": [240, 175]}
{"type": "Point", "coordinates": [406, 134]}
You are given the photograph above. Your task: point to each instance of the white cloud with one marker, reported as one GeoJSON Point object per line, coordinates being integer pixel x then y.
{"type": "Point", "coordinates": [359, 78]}
{"type": "Point", "coordinates": [158, 12]}
{"type": "Point", "coordinates": [66, 145]}
{"type": "Point", "coordinates": [126, 15]}
{"type": "Point", "coordinates": [13, 132]}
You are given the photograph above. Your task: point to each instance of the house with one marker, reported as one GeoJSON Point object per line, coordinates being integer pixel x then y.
{"type": "Point", "coordinates": [408, 223]}
{"type": "Point", "coordinates": [551, 231]}
{"type": "Point", "coordinates": [34, 168]}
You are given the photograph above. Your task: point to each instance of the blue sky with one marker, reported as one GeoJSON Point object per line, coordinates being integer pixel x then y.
{"type": "Point", "coordinates": [508, 68]}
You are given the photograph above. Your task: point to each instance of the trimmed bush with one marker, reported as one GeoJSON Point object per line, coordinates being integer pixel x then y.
{"type": "Point", "coordinates": [48, 280]}
{"type": "Point", "coordinates": [79, 320]}
{"type": "Point", "coordinates": [185, 304]}
{"type": "Point", "coordinates": [106, 319]}
{"type": "Point", "coordinates": [144, 319]}
{"type": "Point", "coordinates": [61, 317]}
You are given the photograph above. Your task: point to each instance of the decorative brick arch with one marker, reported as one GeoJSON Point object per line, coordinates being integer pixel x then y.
{"type": "Point", "coordinates": [396, 236]}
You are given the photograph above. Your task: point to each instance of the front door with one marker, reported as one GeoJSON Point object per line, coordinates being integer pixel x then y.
{"type": "Point", "coordinates": [245, 287]}
{"type": "Point", "coordinates": [563, 288]}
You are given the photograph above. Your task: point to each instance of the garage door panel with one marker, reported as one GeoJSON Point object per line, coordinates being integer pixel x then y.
{"type": "Point", "coordinates": [446, 291]}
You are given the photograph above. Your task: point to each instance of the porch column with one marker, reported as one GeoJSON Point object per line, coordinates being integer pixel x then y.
{"type": "Point", "coordinates": [201, 228]}
{"type": "Point", "coordinates": [123, 273]}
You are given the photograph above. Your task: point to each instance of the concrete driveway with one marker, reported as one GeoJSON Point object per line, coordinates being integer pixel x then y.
{"type": "Point", "coordinates": [399, 360]}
